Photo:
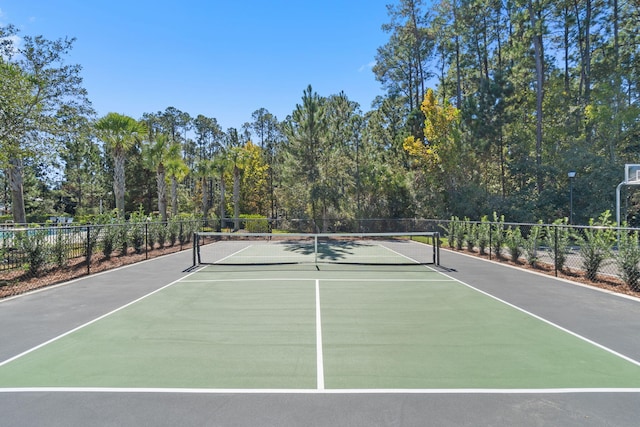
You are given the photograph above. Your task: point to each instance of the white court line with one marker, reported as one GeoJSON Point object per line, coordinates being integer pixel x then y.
{"type": "Point", "coordinates": [405, 256]}
{"type": "Point", "coordinates": [260, 279]}
{"type": "Point", "coordinates": [548, 322]}
{"type": "Point", "coordinates": [317, 391]}
{"type": "Point", "coordinates": [371, 279]}
{"type": "Point", "coordinates": [541, 274]}
{"type": "Point", "coordinates": [31, 350]}
{"type": "Point", "coordinates": [319, 357]}
{"type": "Point", "coordinates": [320, 389]}
{"type": "Point", "coordinates": [233, 254]}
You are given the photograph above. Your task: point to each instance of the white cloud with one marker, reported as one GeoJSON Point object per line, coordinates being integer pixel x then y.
{"type": "Point", "coordinates": [368, 66]}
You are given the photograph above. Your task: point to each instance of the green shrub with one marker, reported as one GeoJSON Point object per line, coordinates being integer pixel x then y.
{"type": "Point", "coordinates": [470, 235]}
{"type": "Point", "coordinates": [123, 238]}
{"type": "Point", "coordinates": [137, 236]}
{"type": "Point", "coordinates": [596, 244]}
{"type": "Point", "coordinates": [95, 234]}
{"type": "Point", "coordinates": [255, 223]}
{"type": "Point", "coordinates": [498, 235]}
{"type": "Point", "coordinates": [60, 247]}
{"type": "Point", "coordinates": [188, 228]}
{"type": "Point", "coordinates": [138, 230]}
{"type": "Point", "coordinates": [160, 233]}
{"type": "Point", "coordinates": [483, 232]}
{"type": "Point", "coordinates": [530, 244]}
{"type": "Point", "coordinates": [33, 244]}
{"type": "Point", "coordinates": [628, 258]}
{"type": "Point", "coordinates": [184, 234]}
{"type": "Point", "coordinates": [110, 235]}
{"type": "Point", "coordinates": [453, 226]}
{"type": "Point", "coordinates": [515, 243]}
{"type": "Point", "coordinates": [457, 230]}
{"type": "Point", "coordinates": [558, 242]}
{"type": "Point", "coordinates": [173, 230]}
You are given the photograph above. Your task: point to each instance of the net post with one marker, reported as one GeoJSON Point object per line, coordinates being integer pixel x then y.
{"type": "Point", "coordinates": [315, 248]}
{"type": "Point", "coordinates": [195, 249]}
{"type": "Point", "coordinates": [146, 240]}
{"type": "Point", "coordinates": [436, 253]}
{"type": "Point", "coordinates": [89, 250]}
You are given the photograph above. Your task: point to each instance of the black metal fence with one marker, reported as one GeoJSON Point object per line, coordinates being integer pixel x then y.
{"type": "Point", "coordinates": [43, 253]}
{"type": "Point", "coordinates": [592, 253]}
{"type": "Point", "coordinates": [35, 254]}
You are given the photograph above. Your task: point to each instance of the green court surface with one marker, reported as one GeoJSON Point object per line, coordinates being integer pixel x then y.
{"type": "Point", "coordinates": [319, 328]}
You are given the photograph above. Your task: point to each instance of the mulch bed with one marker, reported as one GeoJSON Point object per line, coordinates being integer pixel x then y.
{"type": "Point", "coordinates": [609, 283]}
{"type": "Point", "coordinates": [17, 282]}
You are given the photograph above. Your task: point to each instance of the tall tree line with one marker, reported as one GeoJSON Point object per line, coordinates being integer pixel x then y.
{"type": "Point", "coordinates": [488, 105]}
{"type": "Point", "coordinates": [542, 89]}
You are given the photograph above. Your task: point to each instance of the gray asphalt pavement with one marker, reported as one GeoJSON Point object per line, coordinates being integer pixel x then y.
{"type": "Point", "coordinates": [32, 319]}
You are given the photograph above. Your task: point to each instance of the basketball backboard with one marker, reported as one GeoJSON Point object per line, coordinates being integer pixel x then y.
{"type": "Point", "coordinates": [632, 174]}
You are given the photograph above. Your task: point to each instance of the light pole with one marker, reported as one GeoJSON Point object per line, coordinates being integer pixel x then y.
{"type": "Point", "coordinates": [571, 175]}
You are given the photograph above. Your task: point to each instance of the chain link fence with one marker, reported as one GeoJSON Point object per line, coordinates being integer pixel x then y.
{"type": "Point", "coordinates": [590, 253]}
{"type": "Point", "coordinates": [39, 256]}
{"type": "Point", "coordinates": [32, 257]}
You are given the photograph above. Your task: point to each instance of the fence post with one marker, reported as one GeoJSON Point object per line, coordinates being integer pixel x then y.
{"type": "Point", "coordinates": [555, 251]}
{"type": "Point", "coordinates": [196, 248]}
{"type": "Point", "coordinates": [490, 239]}
{"type": "Point", "coordinates": [146, 240]}
{"type": "Point", "coordinates": [452, 235]}
{"type": "Point", "coordinates": [181, 236]}
{"type": "Point", "coordinates": [89, 250]}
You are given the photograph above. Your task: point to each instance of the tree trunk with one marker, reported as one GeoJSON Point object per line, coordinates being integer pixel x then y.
{"type": "Point", "coordinates": [17, 191]}
{"type": "Point", "coordinates": [205, 197]}
{"type": "Point", "coordinates": [119, 182]}
{"type": "Point", "coordinates": [325, 217]}
{"type": "Point", "coordinates": [174, 196]}
{"type": "Point", "coordinates": [222, 191]}
{"type": "Point", "coordinates": [458, 65]}
{"type": "Point", "coordinates": [236, 198]}
{"type": "Point", "coordinates": [162, 192]}
{"type": "Point", "coordinates": [539, 60]}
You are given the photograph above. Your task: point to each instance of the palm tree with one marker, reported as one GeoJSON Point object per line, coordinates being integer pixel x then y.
{"type": "Point", "coordinates": [203, 170]}
{"type": "Point", "coordinates": [156, 155]}
{"type": "Point", "coordinates": [221, 165]}
{"type": "Point", "coordinates": [238, 158]}
{"type": "Point", "coordinates": [120, 133]}
{"type": "Point", "coordinates": [177, 170]}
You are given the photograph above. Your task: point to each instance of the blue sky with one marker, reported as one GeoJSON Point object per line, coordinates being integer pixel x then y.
{"type": "Point", "coordinates": [222, 59]}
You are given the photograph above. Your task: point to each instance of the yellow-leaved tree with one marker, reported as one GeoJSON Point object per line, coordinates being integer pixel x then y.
{"type": "Point", "coordinates": [441, 131]}
{"type": "Point", "coordinates": [443, 162]}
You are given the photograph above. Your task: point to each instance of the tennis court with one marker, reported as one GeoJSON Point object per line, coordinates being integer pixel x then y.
{"type": "Point", "coordinates": [315, 317]}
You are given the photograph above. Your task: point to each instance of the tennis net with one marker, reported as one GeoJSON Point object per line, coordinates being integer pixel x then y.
{"type": "Point", "coordinates": [304, 248]}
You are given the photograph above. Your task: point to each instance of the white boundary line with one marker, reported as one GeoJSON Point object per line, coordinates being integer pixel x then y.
{"type": "Point", "coordinates": [289, 279]}
{"type": "Point", "coordinates": [233, 254]}
{"type": "Point", "coordinates": [548, 322]}
{"type": "Point", "coordinates": [320, 364]}
{"type": "Point", "coordinates": [317, 391]}
{"type": "Point", "coordinates": [319, 357]}
{"type": "Point", "coordinates": [548, 276]}
{"type": "Point", "coordinates": [24, 353]}
{"type": "Point", "coordinates": [416, 262]}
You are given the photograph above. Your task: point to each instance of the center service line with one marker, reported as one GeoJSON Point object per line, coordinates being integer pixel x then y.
{"type": "Point", "coordinates": [319, 361]}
